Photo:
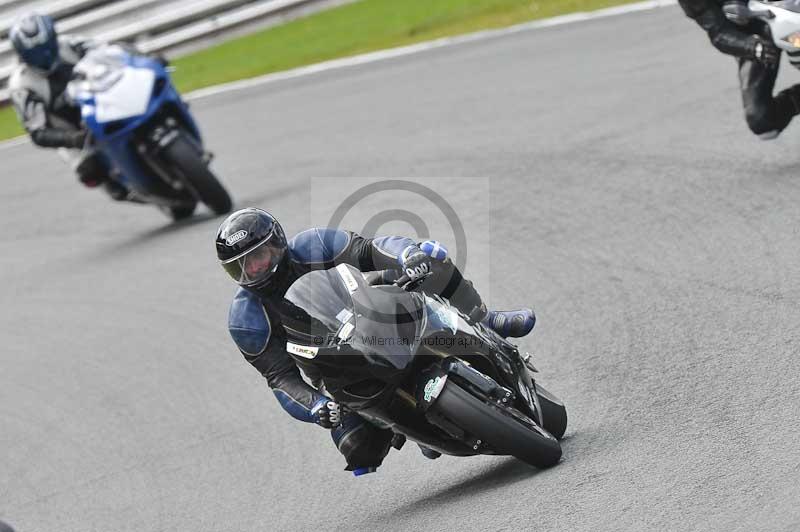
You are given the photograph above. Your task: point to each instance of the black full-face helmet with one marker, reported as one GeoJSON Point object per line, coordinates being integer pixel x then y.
{"type": "Point", "coordinates": [252, 248]}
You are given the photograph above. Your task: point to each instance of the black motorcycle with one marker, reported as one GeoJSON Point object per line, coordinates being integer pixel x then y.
{"type": "Point", "coordinates": [412, 363]}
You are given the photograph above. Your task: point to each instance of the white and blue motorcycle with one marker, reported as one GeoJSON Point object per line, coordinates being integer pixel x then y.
{"type": "Point", "coordinates": [140, 124]}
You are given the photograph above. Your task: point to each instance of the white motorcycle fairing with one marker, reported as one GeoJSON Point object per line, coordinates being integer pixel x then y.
{"type": "Point", "coordinates": [128, 98]}
{"type": "Point", "coordinates": [783, 19]}
{"type": "Point", "coordinates": [116, 89]}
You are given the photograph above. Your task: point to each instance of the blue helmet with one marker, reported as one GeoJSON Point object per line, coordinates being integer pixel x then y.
{"type": "Point", "coordinates": [35, 40]}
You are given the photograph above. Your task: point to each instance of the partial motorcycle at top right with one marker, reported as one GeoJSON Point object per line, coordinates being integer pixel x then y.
{"type": "Point", "coordinates": [782, 17]}
{"type": "Point", "coordinates": [413, 364]}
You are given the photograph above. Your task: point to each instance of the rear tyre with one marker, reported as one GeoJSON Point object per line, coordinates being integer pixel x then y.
{"type": "Point", "coordinates": [182, 155]}
{"type": "Point", "coordinates": [553, 411]}
{"type": "Point", "coordinates": [497, 427]}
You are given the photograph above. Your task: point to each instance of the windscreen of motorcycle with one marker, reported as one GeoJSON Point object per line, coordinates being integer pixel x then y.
{"type": "Point", "coordinates": [116, 89]}
{"type": "Point", "coordinates": [334, 307]}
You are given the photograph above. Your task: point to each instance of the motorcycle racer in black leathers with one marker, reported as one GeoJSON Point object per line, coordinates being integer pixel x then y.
{"type": "Point", "coordinates": [253, 250]}
{"type": "Point", "coordinates": [38, 92]}
{"type": "Point", "coordinates": [758, 58]}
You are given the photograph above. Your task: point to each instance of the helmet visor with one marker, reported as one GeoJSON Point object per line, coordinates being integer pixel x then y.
{"type": "Point", "coordinates": [255, 265]}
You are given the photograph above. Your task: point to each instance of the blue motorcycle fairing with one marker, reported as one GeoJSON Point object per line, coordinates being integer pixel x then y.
{"type": "Point", "coordinates": [113, 139]}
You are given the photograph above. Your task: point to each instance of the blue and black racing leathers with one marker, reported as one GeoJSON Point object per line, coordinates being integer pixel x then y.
{"type": "Point", "coordinates": [255, 326]}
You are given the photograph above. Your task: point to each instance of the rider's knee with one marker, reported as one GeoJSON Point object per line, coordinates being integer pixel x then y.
{"type": "Point", "coordinates": [765, 121]}
{"type": "Point", "coordinates": [760, 122]}
{"type": "Point", "coordinates": [762, 126]}
{"type": "Point", "coordinates": [769, 135]}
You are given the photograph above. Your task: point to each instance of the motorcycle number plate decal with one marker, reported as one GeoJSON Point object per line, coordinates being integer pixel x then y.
{"type": "Point", "coordinates": [349, 281]}
{"type": "Point", "coordinates": [434, 387]}
{"type": "Point", "coordinates": [302, 350]}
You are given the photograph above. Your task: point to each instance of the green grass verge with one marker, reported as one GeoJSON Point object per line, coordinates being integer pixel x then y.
{"type": "Point", "coordinates": [9, 125]}
{"type": "Point", "coordinates": [363, 26]}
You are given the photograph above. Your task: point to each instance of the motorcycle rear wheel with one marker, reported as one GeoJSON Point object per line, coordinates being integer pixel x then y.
{"type": "Point", "coordinates": [497, 427]}
{"type": "Point", "coordinates": [184, 158]}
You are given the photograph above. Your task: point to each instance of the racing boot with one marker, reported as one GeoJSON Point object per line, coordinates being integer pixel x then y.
{"type": "Point", "coordinates": [510, 323]}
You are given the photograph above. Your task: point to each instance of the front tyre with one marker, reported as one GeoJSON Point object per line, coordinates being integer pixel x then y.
{"type": "Point", "coordinates": [498, 427]}
{"type": "Point", "coordinates": [184, 158]}
{"type": "Point", "coordinates": [554, 412]}
{"type": "Point", "coordinates": [182, 213]}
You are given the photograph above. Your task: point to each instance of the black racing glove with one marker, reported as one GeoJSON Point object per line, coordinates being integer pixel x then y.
{"type": "Point", "coordinates": [764, 51]}
{"type": "Point", "coordinates": [416, 267]}
{"type": "Point", "coordinates": [327, 413]}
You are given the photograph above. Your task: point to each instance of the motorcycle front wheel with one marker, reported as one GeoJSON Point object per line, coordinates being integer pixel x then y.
{"type": "Point", "coordinates": [184, 157]}
{"type": "Point", "coordinates": [498, 427]}
{"type": "Point", "coordinates": [554, 413]}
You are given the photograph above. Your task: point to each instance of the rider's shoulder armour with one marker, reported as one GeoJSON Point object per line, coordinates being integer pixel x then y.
{"type": "Point", "coordinates": [249, 323]}
{"type": "Point", "coordinates": [318, 245]}
{"type": "Point", "coordinates": [25, 80]}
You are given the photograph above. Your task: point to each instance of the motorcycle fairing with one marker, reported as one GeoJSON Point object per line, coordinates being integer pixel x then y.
{"type": "Point", "coordinates": [138, 90]}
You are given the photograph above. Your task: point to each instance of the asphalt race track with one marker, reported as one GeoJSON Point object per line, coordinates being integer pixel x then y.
{"type": "Point", "coordinates": [605, 176]}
